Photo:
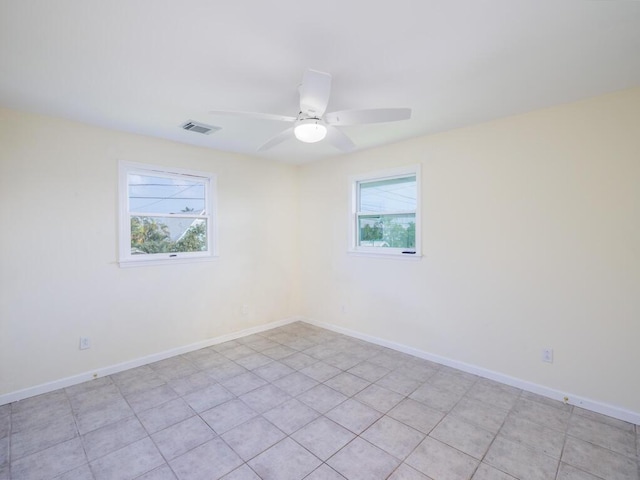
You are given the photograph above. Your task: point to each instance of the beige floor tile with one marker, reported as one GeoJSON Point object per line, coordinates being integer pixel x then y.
{"type": "Point", "coordinates": [322, 398]}
{"type": "Point", "coordinates": [567, 472]}
{"type": "Point", "coordinates": [462, 435]}
{"type": "Point", "coordinates": [105, 440]}
{"type": "Point", "coordinates": [541, 438]}
{"type": "Point", "coordinates": [321, 371]}
{"type": "Point", "coordinates": [369, 371]}
{"type": "Point", "coordinates": [83, 472]}
{"type": "Point", "coordinates": [544, 414]}
{"type": "Point", "coordinates": [347, 384]}
{"type": "Point", "coordinates": [50, 462]}
{"type": "Point", "coordinates": [265, 398]}
{"type": "Point", "coordinates": [244, 383]}
{"type": "Point", "coordinates": [487, 472]}
{"type": "Point", "coordinates": [299, 360]}
{"type": "Point", "coordinates": [482, 414]}
{"type": "Point", "coordinates": [379, 398]}
{"type": "Point", "coordinates": [452, 380]}
{"type": "Point", "coordinates": [213, 459]}
{"type": "Point", "coordinates": [416, 415]}
{"type": "Point", "coordinates": [40, 436]}
{"type": "Point", "coordinates": [399, 382]}
{"type": "Point", "coordinates": [295, 383]}
{"type": "Point", "coordinates": [606, 435]}
{"type": "Point", "coordinates": [599, 461]}
{"type": "Point", "coordinates": [360, 460]}
{"type": "Point", "coordinates": [177, 439]}
{"type": "Point", "coordinates": [291, 416]}
{"type": "Point", "coordinates": [353, 415]}
{"type": "Point", "coordinates": [323, 437]}
{"type": "Point", "coordinates": [324, 472]}
{"type": "Point", "coordinates": [253, 437]}
{"type": "Point", "coordinates": [437, 460]}
{"type": "Point", "coordinates": [228, 415]}
{"type": "Point", "coordinates": [598, 417]}
{"type": "Point", "coordinates": [243, 472]}
{"type": "Point", "coordinates": [405, 472]}
{"type": "Point", "coordinates": [165, 415]}
{"type": "Point", "coordinates": [393, 437]}
{"type": "Point", "coordinates": [151, 398]}
{"type": "Point", "coordinates": [128, 462]}
{"type": "Point", "coordinates": [285, 461]}
{"type": "Point", "coordinates": [435, 397]}
{"type": "Point", "coordinates": [520, 460]}
{"type": "Point", "coordinates": [192, 383]}
{"type": "Point", "coordinates": [494, 394]}
{"type": "Point", "coordinates": [273, 371]}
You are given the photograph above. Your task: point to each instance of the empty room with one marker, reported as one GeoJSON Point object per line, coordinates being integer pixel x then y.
{"type": "Point", "coordinates": [349, 240]}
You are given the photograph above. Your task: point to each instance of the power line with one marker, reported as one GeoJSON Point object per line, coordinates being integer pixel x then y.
{"type": "Point", "coordinates": [171, 198]}
{"type": "Point", "coordinates": [165, 198]}
{"type": "Point", "coordinates": [164, 185]}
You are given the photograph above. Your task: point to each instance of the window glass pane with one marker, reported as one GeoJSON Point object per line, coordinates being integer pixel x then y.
{"type": "Point", "coordinates": [167, 235]}
{"type": "Point", "coordinates": [394, 231]}
{"type": "Point", "coordinates": [390, 195]}
{"type": "Point", "coordinates": [150, 194]}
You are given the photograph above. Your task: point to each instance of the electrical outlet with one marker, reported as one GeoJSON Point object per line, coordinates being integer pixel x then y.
{"type": "Point", "coordinates": [85, 343]}
{"type": "Point", "coordinates": [547, 355]}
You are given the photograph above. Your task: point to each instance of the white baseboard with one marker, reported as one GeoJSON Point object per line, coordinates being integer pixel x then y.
{"type": "Point", "coordinates": [586, 403]}
{"type": "Point", "coordinates": [137, 362]}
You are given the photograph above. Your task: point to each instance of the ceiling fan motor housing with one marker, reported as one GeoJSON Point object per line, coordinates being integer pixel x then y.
{"type": "Point", "coordinates": [310, 130]}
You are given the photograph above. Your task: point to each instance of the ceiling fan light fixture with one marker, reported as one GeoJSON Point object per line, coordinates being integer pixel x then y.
{"type": "Point", "coordinates": [310, 130]}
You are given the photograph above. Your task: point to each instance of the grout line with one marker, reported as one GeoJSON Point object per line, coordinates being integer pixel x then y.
{"type": "Point", "coordinates": [10, 434]}
{"type": "Point", "coordinates": [564, 440]}
{"type": "Point", "coordinates": [75, 423]}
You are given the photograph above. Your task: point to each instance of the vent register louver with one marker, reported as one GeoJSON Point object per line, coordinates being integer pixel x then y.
{"type": "Point", "coordinates": [198, 127]}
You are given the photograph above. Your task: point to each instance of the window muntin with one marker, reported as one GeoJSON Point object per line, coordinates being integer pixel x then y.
{"type": "Point", "coordinates": [385, 213]}
{"type": "Point", "coordinates": [167, 214]}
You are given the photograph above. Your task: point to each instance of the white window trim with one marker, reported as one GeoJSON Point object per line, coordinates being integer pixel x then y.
{"type": "Point", "coordinates": [395, 253]}
{"type": "Point", "coordinates": [125, 257]}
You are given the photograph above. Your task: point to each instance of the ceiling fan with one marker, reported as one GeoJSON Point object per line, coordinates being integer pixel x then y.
{"type": "Point", "coordinates": [312, 123]}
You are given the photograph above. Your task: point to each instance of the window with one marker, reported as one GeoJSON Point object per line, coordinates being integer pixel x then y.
{"type": "Point", "coordinates": [166, 215]}
{"type": "Point", "coordinates": [385, 213]}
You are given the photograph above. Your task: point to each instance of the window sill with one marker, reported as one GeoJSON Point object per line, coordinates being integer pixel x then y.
{"type": "Point", "coordinates": [165, 261]}
{"type": "Point", "coordinates": [388, 255]}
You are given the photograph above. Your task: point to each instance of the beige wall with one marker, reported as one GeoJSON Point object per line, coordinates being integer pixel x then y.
{"type": "Point", "coordinates": [531, 239]}
{"type": "Point", "coordinates": [59, 278]}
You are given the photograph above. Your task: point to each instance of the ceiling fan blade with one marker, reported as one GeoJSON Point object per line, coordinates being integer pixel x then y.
{"type": "Point", "coordinates": [339, 140]}
{"type": "Point", "coordinates": [374, 115]}
{"type": "Point", "coordinates": [314, 93]}
{"type": "Point", "coordinates": [254, 115]}
{"type": "Point", "coordinates": [277, 139]}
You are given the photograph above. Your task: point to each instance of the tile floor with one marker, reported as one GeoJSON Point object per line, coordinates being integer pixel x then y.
{"type": "Point", "coordinates": [300, 402]}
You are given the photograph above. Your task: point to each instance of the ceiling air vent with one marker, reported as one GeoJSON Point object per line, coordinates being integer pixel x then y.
{"type": "Point", "coordinates": [199, 127]}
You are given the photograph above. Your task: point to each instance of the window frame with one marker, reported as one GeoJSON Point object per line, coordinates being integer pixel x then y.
{"type": "Point", "coordinates": [126, 259]}
{"type": "Point", "coordinates": [354, 189]}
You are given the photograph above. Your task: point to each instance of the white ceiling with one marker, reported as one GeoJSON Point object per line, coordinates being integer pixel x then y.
{"type": "Point", "coordinates": [146, 66]}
